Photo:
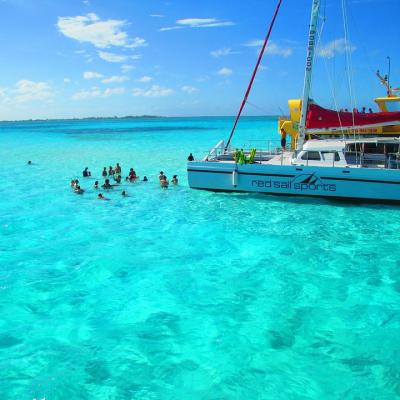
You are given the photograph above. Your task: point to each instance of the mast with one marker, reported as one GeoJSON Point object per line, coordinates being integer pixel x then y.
{"type": "Point", "coordinates": [308, 73]}
{"type": "Point", "coordinates": [260, 56]}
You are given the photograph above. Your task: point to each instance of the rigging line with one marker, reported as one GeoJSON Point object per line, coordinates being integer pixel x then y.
{"type": "Point", "coordinates": [348, 66]}
{"type": "Point", "coordinates": [264, 110]}
{"type": "Point", "coordinates": [332, 88]}
{"type": "Point", "coordinates": [254, 73]}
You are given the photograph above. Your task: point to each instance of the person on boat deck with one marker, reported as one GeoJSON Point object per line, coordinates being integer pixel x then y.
{"type": "Point", "coordinates": [370, 110]}
{"type": "Point", "coordinates": [346, 110]}
{"type": "Point", "coordinates": [110, 171]}
{"type": "Point", "coordinates": [283, 139]}
{"type": "Point", "coordinates": [107, 184]}
{"type": "Point", "coordinates": [117, 169]}
{"type": "Point", "coordinates": [161, 176]}
{"type": "Point", "coordinates": [86, 172]}
{"type": "Point", "coordinates": [190, 158]}
{"type": "Point", "coordinates": [363, 110]}
{"type": "Point", "coordinates": [355, 110]}
{"type": "Point", "coordinates": [78, 190]}
{"type": "Point", "coordinates": [174, 180]}
{"type": "Point", "coordinates": [145, 179]}
{"type": "Point", "coordinates": [104, 173]}
{"type": "Point", "coordinates": [96, 185]}
{"type": "Point", "coordinates": [164, 182]}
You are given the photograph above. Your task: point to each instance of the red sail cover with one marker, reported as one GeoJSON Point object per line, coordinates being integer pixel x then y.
{"type": "Point", "coordinates": [322, 118]}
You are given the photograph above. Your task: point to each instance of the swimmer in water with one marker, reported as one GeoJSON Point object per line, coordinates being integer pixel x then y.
{"type": "Point", "coordinates": [107, 184]}
{"type": "Point", "coordinates": [145, 179]}
{"type": "Point", "coordinates": [110, 171]}
{"type": "Point", "coordinates": [86, 173]}
{"type": "Point", "coordinates": [161, 176]}
{"type": "Point", "coordinates": [29, 162]}
{"type": "Point", "coordinates": [118, 179]}
{"type": "Point", "coordinates": [104, 173]}
{"type": "Point", "coordinates": [117, 169]}
{"type": "Point", "coordinates": [78, 190]}
{"type": "Point", "coordinates": [72, 184]}
{"type": "Point", "coordinates": [175, 180]}
{"type": "Point", "coordinates": [101, 197]}
{"type": "Point", "coordinates": [124, 194]}
{"type": "Point", "coordinates": [96, 185]}
{"type": "Point", "coordinates": [164, 182]}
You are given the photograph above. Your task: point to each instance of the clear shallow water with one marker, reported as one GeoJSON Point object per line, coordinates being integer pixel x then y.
{"type": "Point", "coordinates": [183, 294]}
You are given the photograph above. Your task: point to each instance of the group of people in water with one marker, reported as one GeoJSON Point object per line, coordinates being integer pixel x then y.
{"type": "Point", "coordinates": [116, 175]}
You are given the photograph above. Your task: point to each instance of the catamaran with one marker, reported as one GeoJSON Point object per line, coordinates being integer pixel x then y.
{"type": "Point", "coordinates": [350, 167]}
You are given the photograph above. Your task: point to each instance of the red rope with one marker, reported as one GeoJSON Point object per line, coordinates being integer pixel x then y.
{"type": "Point", "coordinates": [254, 73]}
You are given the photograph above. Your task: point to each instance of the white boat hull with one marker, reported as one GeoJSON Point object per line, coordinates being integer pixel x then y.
{"type": "Point", "coordinates": [376, 184]}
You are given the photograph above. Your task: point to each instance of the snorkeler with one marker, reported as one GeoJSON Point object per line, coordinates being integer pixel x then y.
{"type": "Point", "coordinates": [174, 180]}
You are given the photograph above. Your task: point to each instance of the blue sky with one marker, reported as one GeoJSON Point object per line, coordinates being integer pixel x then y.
{"type": "Point", "coordinates": [75, 58]}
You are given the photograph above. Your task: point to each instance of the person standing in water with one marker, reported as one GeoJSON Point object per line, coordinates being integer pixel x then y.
{"type": "Point", "coordinates": [190, 158]}
{"type": "Point", "coordinates": [104, 173]}
{"type": "Point", "coordinates": [175, 179]}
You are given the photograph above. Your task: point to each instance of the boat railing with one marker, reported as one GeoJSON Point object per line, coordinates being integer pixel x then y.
{"type": "Point", "coordinates": [216, 151]}
{"type": "Point", "coordinates": [271, 146]}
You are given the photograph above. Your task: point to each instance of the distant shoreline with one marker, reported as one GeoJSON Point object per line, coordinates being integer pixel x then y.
{"type": "Point", "coordinates": [131, 117]}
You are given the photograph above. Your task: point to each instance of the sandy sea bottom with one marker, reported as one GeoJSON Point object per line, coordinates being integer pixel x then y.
{"type": "Point", "coordinates": [184, 294]}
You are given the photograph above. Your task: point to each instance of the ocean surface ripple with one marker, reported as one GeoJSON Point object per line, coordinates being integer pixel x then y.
{"type": "Point", "coordinates": [184, 294]}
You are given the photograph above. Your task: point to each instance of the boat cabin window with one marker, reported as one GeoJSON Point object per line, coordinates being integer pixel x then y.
{"type": "Point", "coordinates": [374, 148]}
{"type": "Point", "coordinates": [326, 155]}
{"type": "Point", "coordinates": [311, 155]}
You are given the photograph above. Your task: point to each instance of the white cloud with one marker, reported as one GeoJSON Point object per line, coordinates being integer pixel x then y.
{"type": "Point", "coordinates": [96, 92]}
{"type": "Point", "coordinates": [225, 72]}
{"type": "Point", "coordinates": [272, 48]}
{"type": "Point", "coordinates": [189, 89]}
{"type": "Point", "coordinates": [126, 68]}
{"type": "Point", "coordinates": [202, 22]}
{"type": "Point", "coordinates": [116, 79]}
{"type": "Point", "coordinates": [145, 79]}
{"type": "Point", "coordinates": [223, 52]}
{"type": "Point", "coordinates": [28, 90]}
{"type": "Point", "coordinates": [157, 15]}
{"type": "Point", "coordinates": [154, 91]}
{"type": "Point", "coordinates": [80, 51]}
{"type": "Point", "coordinates": [89, 28]}
{"type": "Point", "coordinates": [116, 58]}
{"type": "Point", "coordinates": [338, 46]}
{"type": "Point", "coordinates": [92, 75]}
{"type": "Point", "coordinates": [197, 23]}
{"type": "Point", "coordinates": [67, 80]}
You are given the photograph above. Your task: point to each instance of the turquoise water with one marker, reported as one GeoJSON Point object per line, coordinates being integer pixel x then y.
{"type": "Point", "coordinates": [184, 294]}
